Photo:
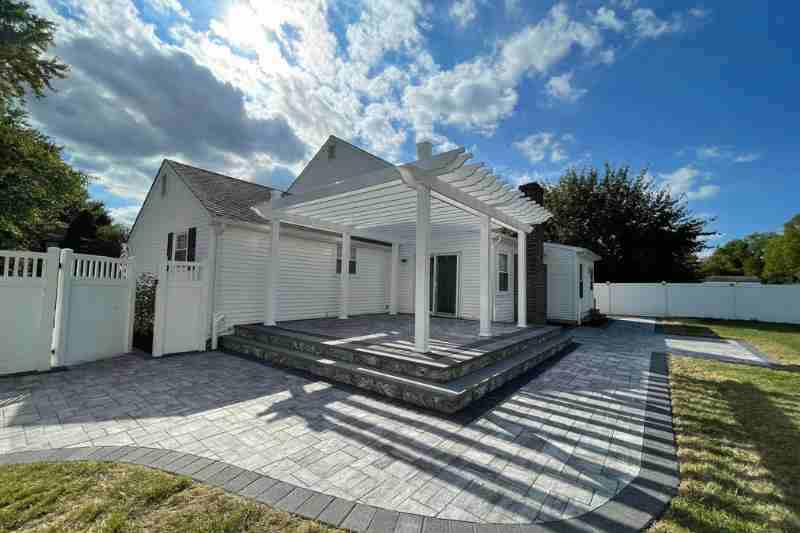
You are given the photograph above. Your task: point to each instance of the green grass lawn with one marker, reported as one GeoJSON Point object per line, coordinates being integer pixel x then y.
{"type": "Point", "coordinates": [738, 434]}
{"type": "Point", "coordinates": [106, 497]}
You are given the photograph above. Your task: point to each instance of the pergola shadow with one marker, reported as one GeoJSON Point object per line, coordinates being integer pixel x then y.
{"type": "Point", "coordinates": [532, 455]}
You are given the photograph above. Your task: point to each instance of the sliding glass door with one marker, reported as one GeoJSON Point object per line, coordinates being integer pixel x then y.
{"type": "Point", "coordinates": [444, 284]}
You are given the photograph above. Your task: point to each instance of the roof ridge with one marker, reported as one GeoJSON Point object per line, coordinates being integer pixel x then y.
{"type": "Point", "coordinates": [172, 161]}
{"type": "Point", "coordinates": [379, 158]}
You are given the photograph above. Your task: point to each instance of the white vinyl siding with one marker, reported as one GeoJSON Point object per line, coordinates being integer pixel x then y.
{"type": "Point", "coordinates": [467, 245]}
{"type": "Point", "coordinates": [561, 283]}
{"type": "Point", "coordinates": [504, 301]}
{"type": "Point", "coordinates": [369, 285]}
{"type": "Point", "coordinates": [241, 275]}
{"type": "Point", "coordinates": [308, 286]}
{"type": "Point", "coordinates": [176, 211]}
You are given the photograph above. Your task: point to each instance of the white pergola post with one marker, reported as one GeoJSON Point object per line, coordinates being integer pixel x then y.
{"type": "Point", "coordinates": [273, 275]}
{"type": "Point", "coordinates": [522, 280]}
{"type": "Point", "coordinates": [422, 286]}
{"type": "Point", "coordinates": [485, 272]}
{"type": "Point", "coordinates": [394, 280]}
{"type": "Point", "coordinates": [344, 287]}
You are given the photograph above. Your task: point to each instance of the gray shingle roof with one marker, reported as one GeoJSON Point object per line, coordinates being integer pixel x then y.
{"type": "Point", "coordinates": [223, 196]}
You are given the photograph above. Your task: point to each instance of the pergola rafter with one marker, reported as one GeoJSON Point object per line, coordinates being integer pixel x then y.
{"type": "Point", "coordinates": [404, 203]}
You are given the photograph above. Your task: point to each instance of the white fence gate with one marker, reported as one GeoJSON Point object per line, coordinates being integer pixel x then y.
{"type": "Point", "coordinates": [28, 282]}
{"type": "Point", "coordinates": [181, 315]}
{"type": "Point", "coordinates": [767, 303]}
{"type": "Point", "coordinates": [60, 308]}
{"type": "Point", "coordinates": [94, 314]}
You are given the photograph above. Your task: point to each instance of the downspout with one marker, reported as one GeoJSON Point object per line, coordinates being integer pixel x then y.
{"type": "Point", "coordinates": [577, 287]}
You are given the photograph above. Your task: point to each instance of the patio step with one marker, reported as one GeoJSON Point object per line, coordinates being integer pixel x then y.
{"type": "Point", "coordinates": [447, 397]}
{"type": "Point", "coordinates": [441, 365]}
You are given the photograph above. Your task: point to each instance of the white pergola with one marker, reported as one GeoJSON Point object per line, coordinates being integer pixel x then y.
{"type": "Point", "coordinates": [402, 204]}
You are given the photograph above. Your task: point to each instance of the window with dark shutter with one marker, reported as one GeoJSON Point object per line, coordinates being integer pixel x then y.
{"type": "Point", "coordinates": [580, 280]}
{"type": "Point", "coordinates": [170, 238]}
{"type": "Point", "coordinates": [181, 246]}
{"type": "Point", "coordinates": [352, 268]}
{"type": "Point", "coordinates": [190, 251]}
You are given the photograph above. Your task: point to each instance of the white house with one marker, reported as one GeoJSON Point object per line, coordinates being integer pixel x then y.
{"type": "Point", "coordinates": [570, 282]}
{"type": "Point", "coordinates": [440, 219]}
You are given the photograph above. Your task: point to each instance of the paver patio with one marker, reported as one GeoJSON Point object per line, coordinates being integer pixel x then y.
{"type": "Point", "coordinates": [561, 445]}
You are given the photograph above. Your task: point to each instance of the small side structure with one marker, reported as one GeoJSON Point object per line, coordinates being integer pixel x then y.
{"type": "Point", "coordinates": [570, 282]}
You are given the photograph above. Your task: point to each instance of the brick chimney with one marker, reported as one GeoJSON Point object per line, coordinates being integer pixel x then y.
{"type": "Point", "coordinates": [537, 273]}
{"type": "Point", "coordinates": [424, 150]}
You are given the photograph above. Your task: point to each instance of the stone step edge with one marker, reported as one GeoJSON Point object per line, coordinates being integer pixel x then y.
{"type": "Point", "coordinates": [453, 388]}
{"type": "Point", "coordinates": [491, 345]}
{"type": "Point", "coordinates": [434, 367]}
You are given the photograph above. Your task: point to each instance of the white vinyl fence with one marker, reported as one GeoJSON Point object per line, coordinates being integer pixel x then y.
{"type": "Point", "coordinates": [59, 308]}
{"type": "Point", "coordinates": [767, 303]}
{"type": "Point", "coordinates": [94, 315]}
{"type": "Point", "coordinates": [28, 282]}
{"type": "Point", "coordinates": [181, 317]}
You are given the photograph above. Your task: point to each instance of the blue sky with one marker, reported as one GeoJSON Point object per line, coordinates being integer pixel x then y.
{"type": "Point", "coordinates": [702, 95]}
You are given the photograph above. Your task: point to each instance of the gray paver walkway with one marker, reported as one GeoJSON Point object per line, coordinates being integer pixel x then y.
{"type": "Point", "coordinates": [560, 446]}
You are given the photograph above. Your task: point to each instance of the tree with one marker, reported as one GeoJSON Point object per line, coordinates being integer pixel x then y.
{"type": "Point", "coordinates": [92, 231]}
{"type": "Point", "coordinates": [24, 40]}
{"type": "Point", "coordinates": [782, 255]}
{"type": "Point", "coordinates": [41, 196]}
{"type": "Point", "coordinates": [642, 233]}
{"type": "Point", "coordinates": [739, 257]}
{"type": "Point", "coordinates": [37, 187]}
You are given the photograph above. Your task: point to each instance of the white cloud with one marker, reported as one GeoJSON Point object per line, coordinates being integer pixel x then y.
{"type": "Point", "coordinates": [625, 4]}
{"type": "Point", "coordinates": [170, 6]}
{"type": "Point", "coordinates": [700, 12]}
{"type": "Point", "coordinates": [607, 18]}
{"type": "Point", "coordinates": [747, 158]}
{"type": "Point", "coordinates": [561, 88]}
{"type": "Point", "coordinates": [288, 75]}
{"type": "Point", "coordinates": [479, 93]}
{"type": "Point", "coordinates": [463, 12]}
{"type": "Point", "coordinates": [709, 152]}
{"type": "Point", "coordinates": [124, 215]}
{"type": "Point", "coordinates": [649, 26]}
{"type": "Point", "coordinates": [684, 181]}
{"type": "Point", "coordinates": [726, 153]}
{"type": "Point", "coordinates": [542, 146]}
{"type": "Point", "coordinates": [537, 48]}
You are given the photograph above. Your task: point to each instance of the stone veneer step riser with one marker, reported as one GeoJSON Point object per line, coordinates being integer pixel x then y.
{"type": "Point", "coordinates": [414, 369]}
{"type": "Point", "coordinates": [441, 401]}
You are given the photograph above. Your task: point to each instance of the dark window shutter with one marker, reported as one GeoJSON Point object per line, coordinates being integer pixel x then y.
{"type": "Point", "coordinates": [170, 237]}
{"type": "Point", "coordinates": [580, 286]}
{"type": "Point", "coordinates": [352, 267]}
{"type": "Point", "coordinates": [192, 239]}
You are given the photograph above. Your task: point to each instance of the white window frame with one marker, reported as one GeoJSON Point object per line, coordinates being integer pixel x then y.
{"type": "Point", "coordinates": [500, 272]}
{"type": "Point", "coordinates": [185, 249]}
{"type": "Point", "coordinates": [353, 259]}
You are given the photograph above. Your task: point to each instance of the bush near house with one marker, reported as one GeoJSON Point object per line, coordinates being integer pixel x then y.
{"type": "Point", "coordinates": [144, 314]}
